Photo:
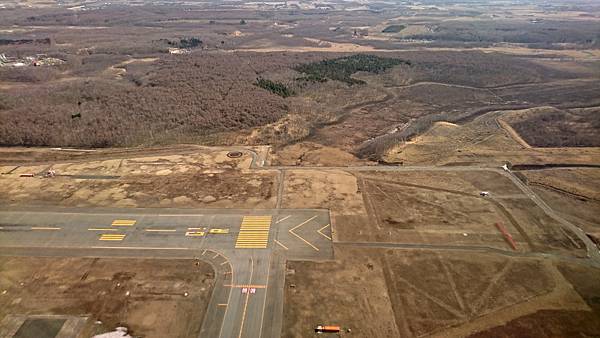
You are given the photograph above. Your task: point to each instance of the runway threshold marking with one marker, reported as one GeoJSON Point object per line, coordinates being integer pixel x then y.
{"type": "Point", "coordinates": [123, 222]}
{"type": "Point", "coordinates": [254, 232]}
{"type": "Point", "coordinates": [322, 234]}
{"type": "Point", "coordinates": [45, 228]}
{"type": "Point", "coordinates": [111, 237]}
{"type": "Point", "coordinates": [291, 231]}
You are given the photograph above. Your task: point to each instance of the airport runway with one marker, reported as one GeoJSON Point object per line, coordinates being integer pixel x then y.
{"type": "Point", "coordinates": [247, 248]}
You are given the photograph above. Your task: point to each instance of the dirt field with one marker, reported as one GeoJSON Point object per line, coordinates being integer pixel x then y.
{"type": "Point", "coordinates": [314, 154]}
{"type": "Point", "coordinates": [155, 307]}
{"type": "Point", "coordinates": [199, 179]}
{"type": "Point", "coordinates": [416, 293]}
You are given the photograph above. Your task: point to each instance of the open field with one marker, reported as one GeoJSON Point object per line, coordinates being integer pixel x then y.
{"type": "Point", "coordinates": [147, 296]}
{"type": "Point", "coordinates": [202, 179]}
{"type": "Point", "coordinates": [255, 169]}
{"type": "Point", "coordinates": [456, 294]}
{"type": "Point", "coordinates": [574, 192]}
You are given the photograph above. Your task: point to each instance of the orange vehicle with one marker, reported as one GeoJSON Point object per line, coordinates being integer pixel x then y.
{"type": "Point", "coordinates": [327, 329]}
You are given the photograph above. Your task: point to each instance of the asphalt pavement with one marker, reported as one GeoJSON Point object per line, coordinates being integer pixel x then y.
{"type": "Point", "coordinates": [242, 304]}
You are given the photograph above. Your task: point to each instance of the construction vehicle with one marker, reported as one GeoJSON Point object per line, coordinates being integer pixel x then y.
{"type": "Point", "coordinates": [327, 329]}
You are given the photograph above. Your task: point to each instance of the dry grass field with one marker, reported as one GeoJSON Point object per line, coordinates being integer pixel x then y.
{"type": "Point", "coordinates": [458, 294]}
{"type": "Point", "coordinates": [396, 117]}
{"type": "Point", "coordinates": [147, 296]}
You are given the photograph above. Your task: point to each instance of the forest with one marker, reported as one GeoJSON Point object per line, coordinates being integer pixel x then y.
{"type": "Point", "coordinates": [341, 69]}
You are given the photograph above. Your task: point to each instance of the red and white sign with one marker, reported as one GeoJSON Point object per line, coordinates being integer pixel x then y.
{"type": "Point", "coordinates": [244, 290]}
{"type": "Point", "coordinates": [253, 290]}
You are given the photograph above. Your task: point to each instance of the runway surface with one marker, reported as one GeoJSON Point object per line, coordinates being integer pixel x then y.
{"type": "Point", "coordinates": [247, 248]}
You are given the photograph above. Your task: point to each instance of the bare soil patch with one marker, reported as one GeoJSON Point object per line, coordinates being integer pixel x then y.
{"type": "Point", "coordinates": [155, 307]}
{"type": "Point", "coordinates": [200, 178]}
{"type": "Point", "coordinates": [427, 293]}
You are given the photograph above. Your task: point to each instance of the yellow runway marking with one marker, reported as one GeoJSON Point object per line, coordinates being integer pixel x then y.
{"type": "Point", "coordinates": [123, 222]}
{"type": "Point", "coordinates": [283, 219]}
{"type": "Point", "coordinates": [195, 228]}
{"type": "Point", "coordinates": [219, 231]}
{"type": "Point", "coordinates": [291, 231]}
{"type": "Point", "coordinates": [45, 228]}
{"type": "Point", "coordinates": [322, 234]}
{"type": "Point", "coordinates": [281, 244]}
{"type": "Point", "coordinates": [112, 237]}
{"type": "Point", "coordinates": [254, 232]}
{"type": "Point", "coordinates": [103, 229]}
{"type": "Point", "coordinates": [195, 233]}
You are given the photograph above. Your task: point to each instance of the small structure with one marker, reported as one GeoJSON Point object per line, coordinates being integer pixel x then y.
{"type": "Point", "coordinates": [179, 51]}
{"type": "Point", "coordinates": [484, 193]}
{"type": "Point", "coordinates": [119, 332]}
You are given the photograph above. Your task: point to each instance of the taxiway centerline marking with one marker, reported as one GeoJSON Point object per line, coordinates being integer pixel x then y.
{"type": "Point", "coordinates": [281, 244]}
{"type": "Point", "coordinates": [222, 304]}
{"type": "Point", "coordinates": [283, 219]}
{"type": "Point", "coordinates": [322, 234]}
{"type": "Point", "coordinates": [45, 228]}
